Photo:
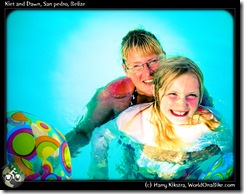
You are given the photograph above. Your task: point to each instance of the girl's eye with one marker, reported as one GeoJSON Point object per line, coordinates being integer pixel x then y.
{"type": "Point", "coordinates": [191, 96]}
{"type": "Point", "coordinates": [194, 95]}
{"type": "Point", "coordinates": [172, 96]}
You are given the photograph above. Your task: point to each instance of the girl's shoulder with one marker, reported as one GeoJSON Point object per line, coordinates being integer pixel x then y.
{"type": "Point", "coordinates": [134, 122]}
{"type": "Point", "coordinates": [130, 113]}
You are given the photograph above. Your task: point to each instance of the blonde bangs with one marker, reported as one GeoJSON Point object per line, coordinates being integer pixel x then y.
{"type": "Point", "coordinates": [144, 48]}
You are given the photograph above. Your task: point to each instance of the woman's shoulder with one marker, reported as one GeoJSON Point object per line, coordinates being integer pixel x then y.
{"type": "Point", "coordinates": [120, 87]}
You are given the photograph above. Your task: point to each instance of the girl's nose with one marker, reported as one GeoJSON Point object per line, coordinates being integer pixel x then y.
{"type": "Point", "coordinates": [182, 102]}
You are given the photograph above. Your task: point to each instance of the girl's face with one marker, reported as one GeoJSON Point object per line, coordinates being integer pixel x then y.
{"type": "Point", "coordinates": [180, 101]}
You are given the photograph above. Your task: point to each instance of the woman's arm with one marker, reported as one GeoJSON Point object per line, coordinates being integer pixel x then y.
{"type": "Point", "coordinates": [98, 111]}
{"type": "Point", "coordinates": [100, 142]}
{"type": "Point", "coordinates": [106, 103]}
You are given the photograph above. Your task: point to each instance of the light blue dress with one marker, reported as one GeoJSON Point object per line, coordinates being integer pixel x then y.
{"type": "Point", "coordinates": [115, 155]}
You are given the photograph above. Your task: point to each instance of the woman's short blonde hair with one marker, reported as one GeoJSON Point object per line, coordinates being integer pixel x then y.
{"type": "Point", "coordinates": [141, 41]}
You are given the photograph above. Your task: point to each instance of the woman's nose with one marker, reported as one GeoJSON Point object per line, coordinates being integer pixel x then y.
{"type": "Point", "coordinates": [148, 69]}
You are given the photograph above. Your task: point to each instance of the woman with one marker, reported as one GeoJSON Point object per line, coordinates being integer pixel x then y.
{"type": "Point", "coordinates": [149, 140]}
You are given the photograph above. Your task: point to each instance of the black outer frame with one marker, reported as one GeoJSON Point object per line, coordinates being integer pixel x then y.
{"type": "Point", "coordinates": [232, 6]}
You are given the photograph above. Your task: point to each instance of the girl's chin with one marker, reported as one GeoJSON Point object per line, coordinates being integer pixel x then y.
{"type": "Point", "coordinates": [177, 122]}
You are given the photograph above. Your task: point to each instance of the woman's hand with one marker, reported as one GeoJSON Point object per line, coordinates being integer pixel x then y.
{"type": "Point", "coordinates": [75, 141]}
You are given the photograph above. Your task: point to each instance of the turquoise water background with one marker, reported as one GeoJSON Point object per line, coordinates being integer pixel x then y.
{"type": "Point", "coordinates": [56, 59]}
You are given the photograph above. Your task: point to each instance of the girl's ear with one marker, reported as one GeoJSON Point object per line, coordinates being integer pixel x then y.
{"type": "Point", "coordinates": [153, 90]}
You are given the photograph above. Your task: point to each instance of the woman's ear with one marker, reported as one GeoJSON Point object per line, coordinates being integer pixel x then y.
{"type": "Point", "coordinates": [125, 70]}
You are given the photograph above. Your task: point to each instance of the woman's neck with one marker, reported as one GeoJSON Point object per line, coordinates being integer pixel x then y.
{"type": "Point", "coordinates": [143, 98]}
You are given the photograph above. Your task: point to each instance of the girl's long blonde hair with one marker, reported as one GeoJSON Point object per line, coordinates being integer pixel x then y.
{"type": "Point", "coordinates": [169, 70]}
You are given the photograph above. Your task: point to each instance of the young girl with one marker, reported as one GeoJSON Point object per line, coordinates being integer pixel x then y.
{"type": "Point", "coordinates": [149, 141]}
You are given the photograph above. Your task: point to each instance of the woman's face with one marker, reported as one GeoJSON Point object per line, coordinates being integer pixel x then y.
{"type": "Point", "coordinates": [180, 100]}
{"type": "Point", "coordinates": [142, 78]}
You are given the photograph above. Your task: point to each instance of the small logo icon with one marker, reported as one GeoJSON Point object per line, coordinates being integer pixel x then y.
{"type": "Point", "coordinates": [12, 175]}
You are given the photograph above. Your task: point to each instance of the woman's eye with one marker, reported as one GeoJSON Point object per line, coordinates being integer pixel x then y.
{"type": "Point", "coordinates": [136, 66]}
{"type": "Point", "coordinates": [153, 61]}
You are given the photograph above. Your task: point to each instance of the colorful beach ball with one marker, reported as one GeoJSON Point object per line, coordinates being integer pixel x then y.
{"type": "Point", "coordinates": [221, 169]}
{"type": "Point", "coordinates": [39, 149]}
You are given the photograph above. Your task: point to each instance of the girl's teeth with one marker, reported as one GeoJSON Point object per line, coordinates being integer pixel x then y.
{"type": "Point", "coordinates": [179, 113]}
